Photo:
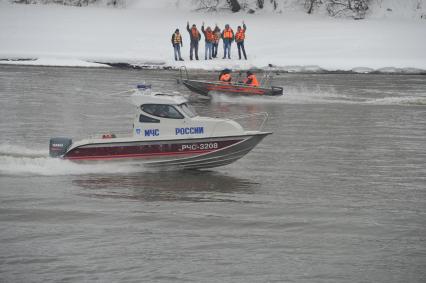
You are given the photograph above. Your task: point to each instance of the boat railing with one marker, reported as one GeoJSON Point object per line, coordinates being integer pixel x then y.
{"type": "Point", "coordinates": [183, 71]}
{"type": "Point", "coordinates": [267, 78]}
{"type": "Point", "coordinates": [260, 116]}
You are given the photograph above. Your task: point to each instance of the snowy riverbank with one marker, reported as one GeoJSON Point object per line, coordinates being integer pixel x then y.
{"type": "Point", "coordinates": [292, 41]}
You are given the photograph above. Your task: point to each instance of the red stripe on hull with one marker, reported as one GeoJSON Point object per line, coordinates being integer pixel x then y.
{"type": "Point", "coordinates": [134, 155]}
{"type": "Point", "coordinates": [105, 152]}
{"type": "Point", "coordinates": [230, 88]}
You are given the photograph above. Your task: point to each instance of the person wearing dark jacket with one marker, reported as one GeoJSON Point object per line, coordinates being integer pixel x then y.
{"type": "Point", "coordinates": [217, 35]}
{"type": "Point", "coordinates": [227, 37]}
{"type": "Point", "coordinates": [195, 37]}
{"type": "Point", "coordinates": [209, 39]}
{"type": "Point", "coordinates": [239, 39]}
{"type": "Point", "coordinates": [177, 44]}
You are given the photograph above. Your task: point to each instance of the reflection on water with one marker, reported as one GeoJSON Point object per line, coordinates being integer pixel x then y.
{"type": "Point", "coordinates": [194, 186]}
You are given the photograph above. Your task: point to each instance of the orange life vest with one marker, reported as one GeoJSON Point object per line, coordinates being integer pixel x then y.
{"type": "Point", "coordinates": [240, 35]}
{"type": "Point", "coordinates": [226, 78]}
{"type": "Point", "coordinates": [253, 80]}
{"type": "Point", "coordinates": [177, 38]}
{"type": "Point", "coordinates": [195, 33]}
{"type": "Point", "coordinates": [227, 33]}
{"type": "Point", "coordinates": [210, 36]}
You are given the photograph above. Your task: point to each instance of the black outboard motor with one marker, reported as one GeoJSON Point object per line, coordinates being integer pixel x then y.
{"type": "Point", "coordinates": [59, 146]}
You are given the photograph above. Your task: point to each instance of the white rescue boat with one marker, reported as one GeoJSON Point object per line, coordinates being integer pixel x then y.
{"type": "Point", "coordinates": [166, 133]}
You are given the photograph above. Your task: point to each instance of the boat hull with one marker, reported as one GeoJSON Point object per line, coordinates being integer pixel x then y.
{"type": "Point", "coordinates": [204, 88]}
{"type": "Point", "coordinates": [174, 154]}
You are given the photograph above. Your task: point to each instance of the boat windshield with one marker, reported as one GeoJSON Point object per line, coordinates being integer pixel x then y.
{"type": "Point", "coordinates": [188, 110]}
{"type": "Point", "coordinates": [162, 110]}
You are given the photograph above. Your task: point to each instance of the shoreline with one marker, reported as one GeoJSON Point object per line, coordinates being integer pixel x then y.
{"type": "Point", "coordinates": [163, 66]}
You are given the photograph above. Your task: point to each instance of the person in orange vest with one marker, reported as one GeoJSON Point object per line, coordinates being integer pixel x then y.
{"type": "Point", "coordinates": [227, 37]}
{"type": "Point", "coordinates": [209, 39]}
{"type": "Point", "coordinates": [225, 76]}
{"type": "Point", "coordinates": [195, 36]}
{"type": "Point", "coordinates": [177, 43]}
{"type": "Point", "coordinates": [239, 39]}
{"type": "Point", "coordinates": [251, 79]}
{"type": "Point", "coordinates": [217, 35]}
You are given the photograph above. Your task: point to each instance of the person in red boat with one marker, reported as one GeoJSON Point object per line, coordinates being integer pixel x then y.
{"type": "Point", "coordinates": [225, 76]}
{"type": "Point", "coordinates": [251, 79]}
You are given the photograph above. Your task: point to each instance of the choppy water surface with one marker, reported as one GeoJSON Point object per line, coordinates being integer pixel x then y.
{"type": "Point", "coordinates": [336, 194]}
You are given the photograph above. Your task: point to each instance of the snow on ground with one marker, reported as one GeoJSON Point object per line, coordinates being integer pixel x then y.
{"type": "Point", "coordinates": [140, 35]}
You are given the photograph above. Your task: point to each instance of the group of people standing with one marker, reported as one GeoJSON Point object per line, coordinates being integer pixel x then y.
{"type": "Point", "coordinates": [211, 38]}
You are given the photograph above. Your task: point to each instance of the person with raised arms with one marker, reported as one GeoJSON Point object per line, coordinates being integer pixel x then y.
{"type": "Point", "coordinates": [195, 37]}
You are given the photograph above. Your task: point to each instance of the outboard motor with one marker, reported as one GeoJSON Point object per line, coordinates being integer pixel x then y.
{"type": "Point", "coordinates": [59, 146]}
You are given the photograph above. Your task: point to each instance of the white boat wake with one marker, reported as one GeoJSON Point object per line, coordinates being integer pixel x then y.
{"type": "Point", "coordinates": [20, 160]}
{"type": "Point", "coordinates": [301, 95]}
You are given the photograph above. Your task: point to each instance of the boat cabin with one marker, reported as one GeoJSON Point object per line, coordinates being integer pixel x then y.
{"type": "Point", "coordinates": [170, 116]}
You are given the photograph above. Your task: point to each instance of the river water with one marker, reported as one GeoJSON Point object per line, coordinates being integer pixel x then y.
{"type": "Point", "coordinates": [336, 194]}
